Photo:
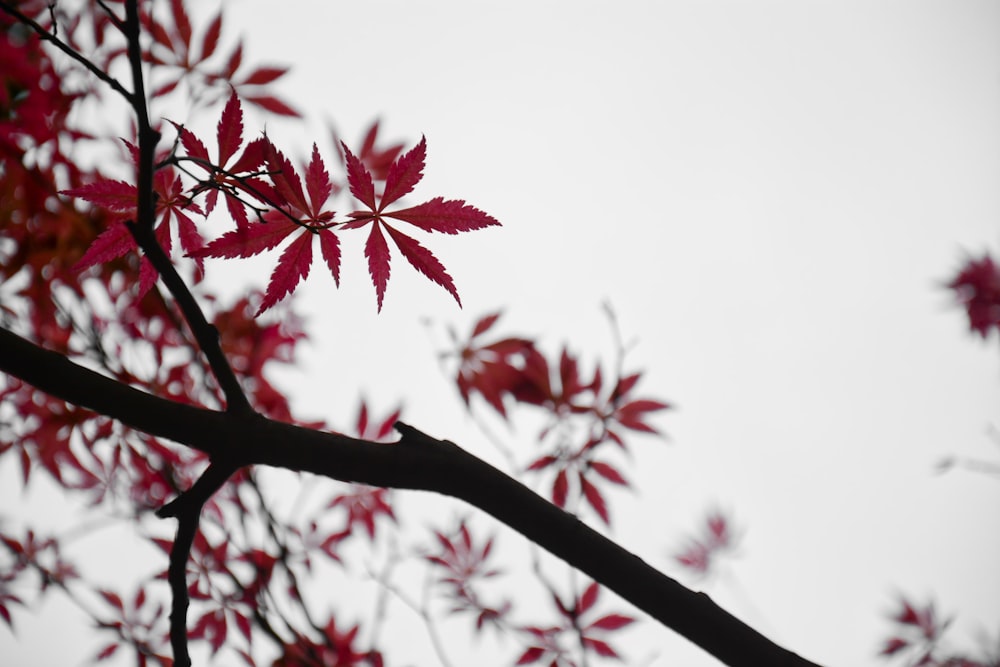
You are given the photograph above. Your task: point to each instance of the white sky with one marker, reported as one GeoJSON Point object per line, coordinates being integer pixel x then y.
{"type": "Point", "coordinates": [770, 195]}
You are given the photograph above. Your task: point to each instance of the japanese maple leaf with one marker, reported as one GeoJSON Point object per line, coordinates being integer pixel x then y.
{"type": "Point", "coordinates": [119, 198]}
{"type": "Point", "coordinates": [301, 210]}
{"type": "Point", "coordinates": [494, 370]}
{"type": "Point", "coordinates": [450, 216]}
{"type": "Point", "coordinates": [233, 180]}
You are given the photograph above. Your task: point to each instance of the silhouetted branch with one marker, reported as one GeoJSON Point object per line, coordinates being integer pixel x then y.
{"type": "Point", "coordinates": [416, 461]}
{"type": "Point", "coordinates": [187, 509]}
{"type": "Point", "coordinates": [142, 228]}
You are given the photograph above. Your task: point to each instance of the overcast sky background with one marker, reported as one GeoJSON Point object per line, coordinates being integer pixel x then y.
{"type": "Point", "coordinates": [770, 195]}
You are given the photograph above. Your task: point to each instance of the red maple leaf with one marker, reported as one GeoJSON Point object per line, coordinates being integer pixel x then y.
{"type": "Point", "coordinates": [299, 209]}
{"type": "Point", "coordinates": [237, 179]}
{"type": "Point", "coordinates": [450, 216]}
{"type": "Point", "coordinates": [119, 198]}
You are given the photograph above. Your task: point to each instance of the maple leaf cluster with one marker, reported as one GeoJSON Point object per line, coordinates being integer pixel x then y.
{"type": "Point", "coordinates": [584, 415]}
{"type": "Point", "coordinates": [290, 204]}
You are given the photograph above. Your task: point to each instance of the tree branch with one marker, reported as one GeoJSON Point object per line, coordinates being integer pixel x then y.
{"type": "Point", "coordinates": [187, 508]}
{"type": "Point", "coordinates": [416, 461]}
{"type": "Point", "coordinates": [142, 229]}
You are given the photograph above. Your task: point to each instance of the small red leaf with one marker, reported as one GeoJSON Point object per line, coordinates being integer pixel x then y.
{"type": "Point", "coordinates": [230, 129]}
{"type": "Point", "coordinates": [588, 598]}
{"type": "Point", "coordinates": [248, 241]}
{"type": "Point", "coordinates": [611, 622]}
{"type": "Point", "coordinates": [359, 179]}
{"type": "Point", "coordinates": [559, 489]}
{"type": "Point", "coordinates": [608, 472]}
{"type": "Point", "coordinates": [113, 242]}
{"type": "Point", "coordinates": [329, 246]}
{"type": "Point", "coordinates": [286, 180]}
{"type": "Point", "coordinates": [484, 324]}
{"type": "Point", "coordinates": [404, 173]}
{"type": "Point", "coordinates": [192, 144]}
{"type": "Point", "coordinates": [531, 655]}
{"type": "Point", "coordinates": [211, 39]}
{"type": "Point", "coordinates": [377, 252]}
{"type": "Point", "coordinates": [263, 75]}
{"type": "Point", "coordinates": [112, 195]}
{"type": "Point", "coordinates": [631, 415]}
{"type": "Point", "coordinates": [318, 183]}
{"type": "Point", "coordinates": [106, 652]}
{"type": "Point", "coordinates": [542, 462]}
{"type": "Point", "coordinates": [273, 104]}
{"type": "Point", "coordinates": [596, 500]}
{"type": "Point", "coordinates": [293, 266]}
{"type": "Point", "coordinates": [423, 261]}
{"type": "Point", "coordinates": [181, 21]}
{"type": "Point", "coordinates": [450, 216]}
{"type": "Point", "coordinates": [112, 599]}
{"type": "Point", "coordinates": [235, 60]}
{"type": "Point", "coordinates": [600, 647]}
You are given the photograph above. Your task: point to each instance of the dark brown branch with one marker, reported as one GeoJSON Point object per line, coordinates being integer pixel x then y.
{"type": "Point", "coordinates": [142, 229]}
{"type": "Point", "coordinates": [187, 508]}
{"type": "Point", "coordinates": [417, 461]}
